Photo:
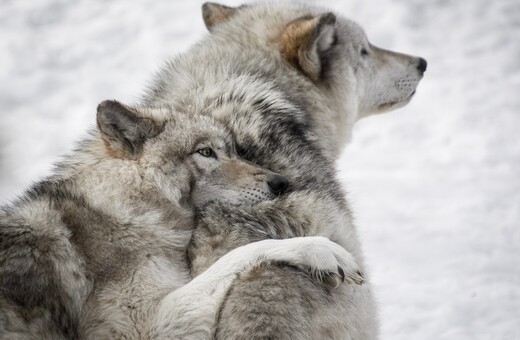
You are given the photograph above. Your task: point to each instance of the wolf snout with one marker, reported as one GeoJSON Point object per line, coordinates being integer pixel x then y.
{"type": "Point", "coordinates": [278, 184]}
{"type": "Point", "coordinates": [422, 65]}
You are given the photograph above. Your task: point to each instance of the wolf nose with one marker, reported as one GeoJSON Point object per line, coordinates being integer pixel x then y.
{"type": "Point", "coordinates": [422, 65]}
{"type": "Point", "coordinates": [278, 184]}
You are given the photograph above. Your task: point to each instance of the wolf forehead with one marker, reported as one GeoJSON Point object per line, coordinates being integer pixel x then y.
{"type": "Point", "coordinates": [194, 130]}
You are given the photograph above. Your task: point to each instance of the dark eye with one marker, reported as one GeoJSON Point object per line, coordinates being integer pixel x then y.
{"type": "Point", "coordinates": [364, 52]}
{"type": "Point", "coordinates": [207, 152]}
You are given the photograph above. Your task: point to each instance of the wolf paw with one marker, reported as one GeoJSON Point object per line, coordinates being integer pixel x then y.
{"type": "Point", "coordinates": [324, 260]}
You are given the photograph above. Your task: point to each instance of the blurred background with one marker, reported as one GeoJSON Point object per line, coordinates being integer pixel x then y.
{"type": "Point", "coordinates": [435, 186]}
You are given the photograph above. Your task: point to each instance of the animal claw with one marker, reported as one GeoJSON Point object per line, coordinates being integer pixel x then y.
{"type": "Point", "coordinates": [341, 274]}
{"type": "Point", "coordinates": [357, 278]}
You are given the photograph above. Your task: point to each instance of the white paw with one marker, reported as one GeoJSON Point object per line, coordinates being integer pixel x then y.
{"type": "Point", "coordinates": [323, 259]}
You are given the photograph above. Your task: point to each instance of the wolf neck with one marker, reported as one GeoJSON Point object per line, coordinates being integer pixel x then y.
{"type": "Point", "coordinates": [333, 124]}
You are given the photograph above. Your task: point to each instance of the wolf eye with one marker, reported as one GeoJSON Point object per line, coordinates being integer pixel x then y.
{"type": "Point", "coordinates": [364, 52]}
{"type": "Point", "coordinates": [207, 152]}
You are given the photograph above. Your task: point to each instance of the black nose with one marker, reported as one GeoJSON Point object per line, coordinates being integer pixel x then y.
{"type": "Point", "coordinates": [278, 184]}
{"type": "Point", "coordinates": [423, 64]}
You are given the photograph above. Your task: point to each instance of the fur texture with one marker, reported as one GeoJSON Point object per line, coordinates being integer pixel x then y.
{"type": "Point", "coordinates": [290, 81]}
{"type": "Point", "coordinates": [98, 250]}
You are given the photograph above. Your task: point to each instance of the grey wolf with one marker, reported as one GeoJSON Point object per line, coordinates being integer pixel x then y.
{"type": "Point", "coordinates": [290, 81]}
{"type": "Point", "coordinates": [98, 250]}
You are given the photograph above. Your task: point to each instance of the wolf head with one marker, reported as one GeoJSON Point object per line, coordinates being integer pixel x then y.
{"type": "Point", "coordinates": [187, 159]}
{"type": "Point", "coordinates": [355, 78]}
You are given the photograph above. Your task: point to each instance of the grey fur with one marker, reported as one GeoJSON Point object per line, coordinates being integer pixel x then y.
{"type": "Point", "coordinates": [292, 111]}
{"type": "Point", "coordinates": [98, 250]}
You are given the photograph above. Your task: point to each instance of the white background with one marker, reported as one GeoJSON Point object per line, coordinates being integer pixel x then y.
{"type": "Point", "coordinates": [435, 186]}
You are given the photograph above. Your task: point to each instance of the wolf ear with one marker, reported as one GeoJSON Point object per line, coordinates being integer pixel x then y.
{"type": "Point", "coordinates": [305, 42]}
{"type": "Point", "coordinates": [214, 13]}
{"type": "Point", "coordinates": [123, 130]}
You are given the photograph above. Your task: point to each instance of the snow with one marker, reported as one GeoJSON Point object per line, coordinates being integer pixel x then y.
{"type": "Point", "coordinates": [435, 186]}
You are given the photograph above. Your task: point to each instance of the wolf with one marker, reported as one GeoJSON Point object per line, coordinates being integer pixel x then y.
{"type": "Point", "coordinates": [98, 249]}
{"type": "Point", "coordinates": [289, 80]}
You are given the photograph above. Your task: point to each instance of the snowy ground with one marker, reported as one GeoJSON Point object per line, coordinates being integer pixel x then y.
{"type": "Point", "coordinates": [435, 187]}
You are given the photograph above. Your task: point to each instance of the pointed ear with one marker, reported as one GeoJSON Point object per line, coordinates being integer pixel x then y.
{"type": "Point", "coordinates": [306, 41]}
{"type": "Point", "coordinates": [214, 13]}
{"type": "Point", "coordinates": [123, 130]}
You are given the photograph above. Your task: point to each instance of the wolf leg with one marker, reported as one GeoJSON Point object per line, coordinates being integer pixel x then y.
{"type": "Point", "coordinates": [191, 311]}
{"type": "Point", "coordinates": [279, 302]}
